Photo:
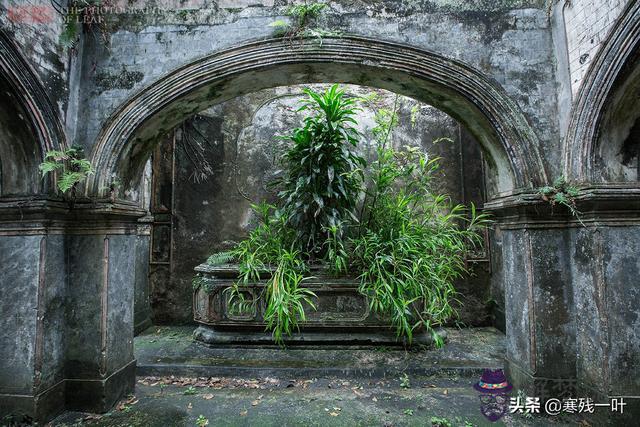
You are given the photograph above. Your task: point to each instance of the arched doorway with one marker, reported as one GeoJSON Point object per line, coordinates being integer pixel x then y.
{"type": "Point", "coordinates": [130, 134]}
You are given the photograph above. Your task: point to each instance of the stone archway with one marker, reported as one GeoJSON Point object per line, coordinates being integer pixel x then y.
{"type": "Point", "coordinates": [602, 136]}
{"type": "Point", "coordinates": [611, 79]}
{"type": "Point", "coordinates": [128, 137]}
{"type": "Point", "coordinates": [30, 117]}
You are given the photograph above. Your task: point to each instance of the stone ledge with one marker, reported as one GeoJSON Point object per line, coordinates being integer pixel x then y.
{"type": "Point", "coordinates": [169, 351]}
{"type": "Point", "coordinates": [614, 205]}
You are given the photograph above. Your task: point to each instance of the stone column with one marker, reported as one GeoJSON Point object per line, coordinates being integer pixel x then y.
{"type": "Point", "coordinates": [102, 249]}
{"type": "Point", "coordinates": [535, 275]}
{"type": "Point", "coordinates": [66, 338]}
{"type": "Point", "coordinates": [606, 275]}
{"type": "Point", "coordinates": [32, 312]}
{"type": "Point", "coordinates": [572, 297]}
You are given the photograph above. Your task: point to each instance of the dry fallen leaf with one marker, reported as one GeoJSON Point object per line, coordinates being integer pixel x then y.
{"type": "Point", "coordinates": [374, 399]}
{"type": "Point", "coordinates": [446, 391]}
{"type": "Point", "coordinates": [207, 396]}
{"type": "Point", "coordinates": [243, 413]}
{"type": "Point", "coordinates": [333, 414]}
{"type": "Point", "coordinates": [190, 406]}
{"type": "Point", "coordinates": [255, 403]}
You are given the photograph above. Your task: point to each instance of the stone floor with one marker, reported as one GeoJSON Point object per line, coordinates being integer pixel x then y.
{"type": "Point", "coordinates": [182, 383]}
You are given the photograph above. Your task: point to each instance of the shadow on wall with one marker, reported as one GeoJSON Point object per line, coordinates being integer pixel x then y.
{"type": "Point", "coordinates": [19, 151]}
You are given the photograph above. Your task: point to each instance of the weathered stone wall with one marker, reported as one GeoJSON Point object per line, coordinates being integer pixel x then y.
{"type": "Point", "coordinates": [237, 142]}
{"type": "Point", "coordinates": [508, 40]}
{"type": "Point", "coordinates": [570, 291]}
{"type": "Point", "coordinates": [587, 25]}
{"type": "Point", "coordinates": [35, 26]}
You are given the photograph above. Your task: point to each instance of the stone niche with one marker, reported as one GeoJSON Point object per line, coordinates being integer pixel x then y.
{"type": "Point", "coordinates": [215, 165]}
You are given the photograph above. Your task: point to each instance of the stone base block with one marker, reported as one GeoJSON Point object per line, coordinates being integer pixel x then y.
{"type": "Point", "coordinates": [26, 409]}
{"type": "Point", "coordinates": [99, 395]}
{"type": "Point", "coordinates": [538, 386]}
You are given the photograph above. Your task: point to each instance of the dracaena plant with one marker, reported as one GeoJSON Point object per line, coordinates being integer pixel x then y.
{"type": "Point", "coordinates": [323, 174]}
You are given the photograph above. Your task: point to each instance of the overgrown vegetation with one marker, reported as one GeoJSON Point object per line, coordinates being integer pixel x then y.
{"type": "Point", "coordinates": [561, 193]}
{"type": "Point", "coordinates": [303, 17]}
{"type": "Point", "coordinates": [69, 167]}
{"type": "Point", "coordinates": [410, 246]}
{"type": "Point", "coordinates": [323, 175]}
{"type": "Point", "coordinates": [387, 227]}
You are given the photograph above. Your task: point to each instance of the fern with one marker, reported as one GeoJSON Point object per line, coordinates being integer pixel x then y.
{"type": "Point", "coordinates": [562, 193]}
{"type": "Point", "coordinates": [69, 165]}
{"type": "Point", "coordinates": [57, 155]}
{"type": "Point", "coordinates": [49, 166]}
{"type": "Point", "coordinates": [302, 15]}
{"type": "Point", "coordinates": [68, 180]}
{"type": "Point", "coordinates": [220, 258]}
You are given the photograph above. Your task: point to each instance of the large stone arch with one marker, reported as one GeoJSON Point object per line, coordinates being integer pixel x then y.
{"type": "Point", "coordinates": [28, 118]}
{"type": "Point", "coordinates": [465, 93]}
{"type": "Point", "coordinates": [611, 84]}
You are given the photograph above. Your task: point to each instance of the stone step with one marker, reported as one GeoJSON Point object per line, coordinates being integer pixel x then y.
{"type": "Point", "coordinates": [166, 351]}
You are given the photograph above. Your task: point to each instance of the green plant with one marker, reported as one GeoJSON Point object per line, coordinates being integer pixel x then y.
{"type": "Point", "coordinates": [271, 248]}
{"type": "Point", "coordinates": [336, 252]}
{"type": "Point", "coordinates": [440, 422]}
{"type": "Point", "coordinates": [408, 412]}
{"type": "Point", "coordinates": [81, 14]}
{"type": "Point", "coordinates": [305, 11]}
{"type": "Point", "coordinates": [285, 298]}
{"type": "Point", "coordinates": [190, 391]}
{"type": "Point", "coordinates": [220, 258]}
{"type": "Point", "coordinates": [323, 174]}
{"type": "Point", "coordinates": [561, 193]}
{"type": "Point", "coordinates": [69, 166]}
{"type": "Point", "coordinates": [412, 242]}
{"type": "Point", "coordinates": [406, 244]}
{"type": "Point", "coordinates": [302, 15]}
{"type": "Point", "coordinates": [405, 381]}
{"type": "Point", "coordinates": [201, 421]}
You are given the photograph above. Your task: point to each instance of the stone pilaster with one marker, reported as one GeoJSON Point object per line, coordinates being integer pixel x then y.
{"type": "Point", "coordinates": [68, 288]}
{"type": "Point", "coordinates": [572, 299]}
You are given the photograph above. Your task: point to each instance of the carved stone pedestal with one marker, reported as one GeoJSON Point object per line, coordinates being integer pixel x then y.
{"type": "Point", "coordinates": [342, 314]}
